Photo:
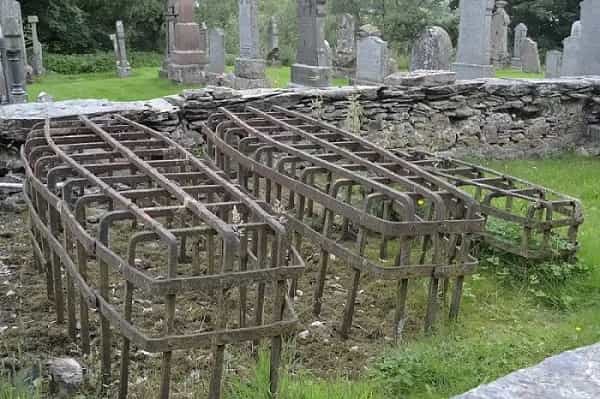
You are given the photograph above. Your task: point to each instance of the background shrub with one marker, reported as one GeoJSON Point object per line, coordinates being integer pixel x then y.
{"type": "Point", "coordinates": [97, 62]}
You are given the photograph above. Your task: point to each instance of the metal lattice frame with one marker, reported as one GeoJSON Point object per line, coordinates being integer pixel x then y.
{"type": "Point", "coordinates": [151, 199]}
{"type": "Point", "coordinates": [533, 221]}
{"type": "Point", "coordinates": [379, 214]}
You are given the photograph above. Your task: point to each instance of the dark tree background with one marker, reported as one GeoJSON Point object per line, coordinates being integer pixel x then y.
{"type": "Point", "coordinates": [82, 26]}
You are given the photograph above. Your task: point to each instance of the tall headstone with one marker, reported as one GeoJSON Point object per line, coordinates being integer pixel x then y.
{"type": "Point", "coordinates": [553, 64]}
{"type": "Point", "coordinates": [432, 50]}
{"type": "Point", "coordinates": [371, 60]}
{"type": "Point", "coordinates": [519, 36]}
{"type": "Point", "coordinates": [170, 20]}
{"type": "Point", "coordinates": [590, 37]}
{"type": "Point", "coordinates": [530, 56]}
{"type": "Point", "coordinates": [37, 61]}
{"type": "Point", "coordinates": [344, 59]}
{"type": "Point", "coordinates": [123, 66]}
{"type": "Point", "coordinates": [113, 39]}
{"type": "Point", "coordinates": [571, 62]}
{"type": "Point", "coordinates": [311, 67]}
{"type": "Point", "coordinates": [12, 9]}
{"type": "Point", "coordinates": [189, 57]}
{"type": "Point", "coordinates": [216, 50]}
{"type": "Point", "coordinates": [15, 62]}
{"type": "Point", "coordinates": [499, 45]}
{"type": "Point", "coordinates": [250, 66]}
{"type": "Point", "coordinates": [273, 42]}
{"type": "Point", "coordinates": [473, 54]}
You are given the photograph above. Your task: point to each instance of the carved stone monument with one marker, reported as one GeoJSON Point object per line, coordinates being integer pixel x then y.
{"type": "Point", "coordinates": [250, 66]}
{"type": "Point", "coordinates": [553, 64]}
{"type": "Point", "coordinates": [189, 57]}
{"type": "Point", "coordinates": [170, 19]}
{"type": "Point", "coordinates": [432, 50]}
{"type": "Point", "coordinates": [123, 66]}
{"type": "Point", "coordinates": [371, 60]}
{"type": "Point", "coordinates": [15, 62]}
{"type": "Point", "coordinates": [499, 45]}
{"type": "Point", "coordinates": [473, 54]}
{"type": "Point", "coordinates": [520, 35]}
{"type": "Point", "coordinates": [311, 67]}
{"type": "Point", "coordinates": [344, 60]}
{"type": "Point", "coordinates": [37, 60]}
{"type": "Point", "coordinates": [590, 37]}
{"type": "Point", "coordinates": [571, 62]}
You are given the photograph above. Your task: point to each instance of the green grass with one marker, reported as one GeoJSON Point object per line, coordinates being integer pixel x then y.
{"type": "Point", "coordinates": [517, 74]}
{"type": "Point", "coordinates": [504, 327]}
{"type": "Point", "coordinates": [144, 84]}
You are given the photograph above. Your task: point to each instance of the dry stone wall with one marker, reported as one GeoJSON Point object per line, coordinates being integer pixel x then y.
{"type": "Point", "coordinates": [489, 118]}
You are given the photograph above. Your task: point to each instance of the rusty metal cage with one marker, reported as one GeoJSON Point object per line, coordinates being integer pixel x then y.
{"type": "Point", "coordinates": [523, 218]}
{"type": "Point", "coordinates": [379, 214]}
{"type": "Point", "coordinates": [135, 222]}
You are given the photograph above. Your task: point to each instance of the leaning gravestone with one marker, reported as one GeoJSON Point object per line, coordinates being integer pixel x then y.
{"type": "Point", "coordinates": [249, 67]}
{"type": "Point", "coordinates": [530, 57]}
{"type": "Point", "coordinates": [553, 64]}
{"type": "Point", "coordinates": [311, 67]}
{"type": "Point", "coordinates": [371, 60]}
{"type": "Point", "coordinates": [571, 63]}
{"type": "Point", "coordinates": [216, 50]}
{"type": "Point", "coordinates": [345, 51]}
{"type": "Point", "coordinates": [432, 50]}
{"type": "Point", "coordinates": [123, 67]}
{"type": "Point", "coordinates": [520, 35]}
{"type": "Point", "coordinates": [473, 54]}
{"type": "Point", "coordinates": [499, 46]}
{"type": "Point", "coordinates": [590, 37]}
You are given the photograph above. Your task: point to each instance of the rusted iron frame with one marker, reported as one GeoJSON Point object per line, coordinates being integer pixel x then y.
{"type": "Point", "coordinates": [540, 215]}
{"type": "Point", "coordinates": [316, 237]}
{"type": "Point", "coordinates": [96, 246]}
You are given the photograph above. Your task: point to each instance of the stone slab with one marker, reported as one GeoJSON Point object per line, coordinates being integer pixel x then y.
{"type": "Point", "coordinates": [570, 375]}
{"type": "Point", "coordinates": [421, 78]}
{"type": "Point", "coordinates": [432, 50]}
{"type": "Point", "coordinates": [553, 64]}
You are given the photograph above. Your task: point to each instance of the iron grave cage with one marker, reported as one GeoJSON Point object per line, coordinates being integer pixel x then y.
{"type": "Point", "coordinates": [380, 215]}
{"type": "Point", "coordinates": [171, 254]}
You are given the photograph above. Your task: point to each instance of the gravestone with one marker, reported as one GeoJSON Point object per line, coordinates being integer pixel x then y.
{"type": "Point", "coordinates": [123, 66]}
{"type": "Point", "coordinates": [273, 42]}
{"type": "Point", "coordinates": [590, 37]}
{"type": "Point", "coordinates": [249, 67]}
{"type": "Point", "coordinates": [499, 45]}
{"type": "Point", "coordinates": [189, 57]}
{"type": "Point", "coordinates": [345, 52]}
{"type": "Point", "coordinates": [432, 50]}
{"type": "Point", "coordinates": [37, 61]}
{"type": "Point", "coordinates": [553, 64]}
{"type": "Point", "coordinates": [520, 35]}
{"type": "Point", "coordinates": [113, 39]}
{"type": "Point", "coordinates": [371, 60]}
{"type": "Point", "coordinates": [530, 56]}
{"type": "Point", "coordinates": [15, 64]}
{"type": "Point", "coordinates": [216, 50]}
{"type": "Point", "coordinates": [473, 54]}
{"type": "Point", "coordinates": [311, 68]}
{"type": "Point", "coordinates": [571, 62]}
{"type": "Point", "coordinates": [170, 20]}
{"type": "Point", "coordinates": [4, 88]}
{"type": "Point", "coordinates": [12, 9]}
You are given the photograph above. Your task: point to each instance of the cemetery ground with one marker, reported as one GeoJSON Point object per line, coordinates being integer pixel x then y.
{"type": "Point", "coordinates": [144, 84]}
{"type": "Point", "coordinates": [514, 315]}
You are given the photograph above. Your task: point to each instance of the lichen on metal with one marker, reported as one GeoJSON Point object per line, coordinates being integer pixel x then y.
{"type": "Point", "coordinates": [378, 214]}
{"type": "Point", "coordinates": [142, 230]}
{"type": "Point", "coordinates": [523, 218]}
